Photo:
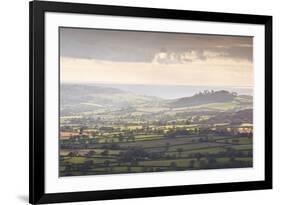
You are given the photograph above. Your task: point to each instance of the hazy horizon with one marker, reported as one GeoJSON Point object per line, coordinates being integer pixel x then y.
{"type": "Point", "coordinates": [166, 91]}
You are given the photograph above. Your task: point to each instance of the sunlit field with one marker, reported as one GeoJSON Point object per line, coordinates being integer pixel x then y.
{"type": "Point", "coordinates": [150, 134]}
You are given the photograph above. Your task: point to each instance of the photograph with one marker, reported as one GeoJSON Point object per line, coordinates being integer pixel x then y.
{"type": "Point", "coordinates": [148, 101]}
{"type": "Point", "coordinates": [132, 102]}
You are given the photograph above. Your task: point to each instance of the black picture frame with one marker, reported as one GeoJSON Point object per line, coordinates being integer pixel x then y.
{"type": "Point", "coordinates": [37, 9]}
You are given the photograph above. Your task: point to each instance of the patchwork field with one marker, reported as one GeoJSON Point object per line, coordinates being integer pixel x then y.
{"type": "Point", "coordinates": [121, 132]}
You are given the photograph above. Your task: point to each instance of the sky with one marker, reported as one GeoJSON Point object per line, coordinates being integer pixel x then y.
{"type": "Point", "coordinates": [155, 58]}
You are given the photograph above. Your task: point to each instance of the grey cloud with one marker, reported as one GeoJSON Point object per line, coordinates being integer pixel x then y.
{"type": "Point", "coordinates": [133, 46]}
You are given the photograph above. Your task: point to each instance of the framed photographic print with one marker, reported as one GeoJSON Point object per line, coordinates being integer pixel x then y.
{"type": "Point", "coordinates": [140, 102]}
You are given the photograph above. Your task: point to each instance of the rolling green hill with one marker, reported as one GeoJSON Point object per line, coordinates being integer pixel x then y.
{"type": "Point", "coordinates": [91, 98]}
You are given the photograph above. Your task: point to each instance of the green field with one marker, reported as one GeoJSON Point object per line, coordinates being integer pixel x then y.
{"type": "Point", "coordinates": [122, 132]}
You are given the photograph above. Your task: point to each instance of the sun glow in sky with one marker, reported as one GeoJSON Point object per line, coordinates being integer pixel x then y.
{"type": "Point", "coordinates": [131, 57]}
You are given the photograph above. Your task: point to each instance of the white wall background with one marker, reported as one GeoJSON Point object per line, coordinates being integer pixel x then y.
{"type": "Point", "coordinates": [14, 100]}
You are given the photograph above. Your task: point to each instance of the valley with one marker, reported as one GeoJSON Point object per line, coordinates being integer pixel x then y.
{"type": "Point", "coordinates": [107, 130]}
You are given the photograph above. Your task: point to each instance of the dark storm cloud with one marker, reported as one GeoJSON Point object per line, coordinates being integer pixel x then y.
{"type": "Point", "coordinates": [131, 46]}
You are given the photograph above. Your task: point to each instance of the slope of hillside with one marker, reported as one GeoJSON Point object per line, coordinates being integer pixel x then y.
{"type": "Point", "coordinates": [204, 98]}
{"type": "Point", "coordinates": [213, 100]}
{"type": "Point", "coordinates": [239, 117]}
{"type": "Point", "coordinates": [83, 98]}
{"type": "Point", "coordinates": [92, 98]}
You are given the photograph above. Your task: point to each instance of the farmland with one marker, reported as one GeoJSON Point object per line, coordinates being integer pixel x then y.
{"type": "Point", "coordinates": [110, 131]}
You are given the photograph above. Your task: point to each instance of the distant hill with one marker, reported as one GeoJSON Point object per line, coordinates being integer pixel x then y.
{"type": "Point", "coordinates": [205, 97]}
{"type": "Point", "coordinates": [82, 98]}
{"type": "Point", "coordinates": [74, 93]}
